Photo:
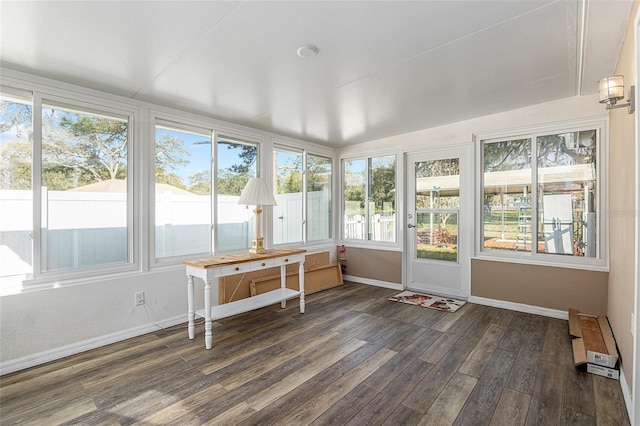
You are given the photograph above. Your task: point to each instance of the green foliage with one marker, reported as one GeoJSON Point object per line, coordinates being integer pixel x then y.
{"type": "Point", "coordinates": [444, 167]}
{"type": "Point", "coordinates": [507, 155]}
{"type": "Point", "coordinates": [230, 183]}
{"type": "Point", "coordinates": [17, 155]}
{"type": "Point", "coordinates": [200, 183]}
{"type": "Point", "coordinates": [248, 157]}
{"type": "Point", "coordinates": [382, 188]}
{"type": "Point", "coordinates": [170, 154]}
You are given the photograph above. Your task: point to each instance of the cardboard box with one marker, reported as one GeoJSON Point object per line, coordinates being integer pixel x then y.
{"type": "Point", "coordinates": [593, 341]}
{"type": "Point", "coordinates": [236, 287]}
{"type": "Point", "coordinates": [612, 373]}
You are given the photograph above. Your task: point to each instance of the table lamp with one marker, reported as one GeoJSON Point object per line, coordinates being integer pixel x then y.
{"type": "Point", "coordinates": [257, 193]}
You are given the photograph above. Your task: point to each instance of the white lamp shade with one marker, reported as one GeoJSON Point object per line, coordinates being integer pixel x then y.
{"type": "Point", "coordinates": [611, 89]}
{"type": "Point", "coordinates": [257, 193]}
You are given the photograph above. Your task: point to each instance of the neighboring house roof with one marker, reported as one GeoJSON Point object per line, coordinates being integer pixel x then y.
{"type": "Point", "coordinates": [120, 186]}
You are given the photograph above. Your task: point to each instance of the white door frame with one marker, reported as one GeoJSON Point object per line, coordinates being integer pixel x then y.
{"type": "Point", "coordinates": [465, 219]}
{"type": "Point", "coordinates": [634, 410]}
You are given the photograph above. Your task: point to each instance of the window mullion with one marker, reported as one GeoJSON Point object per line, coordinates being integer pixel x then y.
{"type": "Point", "coordinates": [304, 195]}
{"type": "Point", "coordinates": [36, 179]}
{"type": "Point", "coordinates": [534, 196]}
{"type": "Point", "coordinates": [213, 202]}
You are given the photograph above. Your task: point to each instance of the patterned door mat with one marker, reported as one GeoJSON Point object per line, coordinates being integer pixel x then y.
{"type": "Point", "coordinates": [427, 301]}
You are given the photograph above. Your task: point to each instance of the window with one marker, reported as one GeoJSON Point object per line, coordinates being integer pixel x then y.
{"type": "Point", "coordinates": [369, 199]}
{"type": "Point", "coordinates": [184, 196]}
{"type": "Point", "coordinates": [16, 193]}
{"type": "Point", "coordinates": [437, 209]}
{"type": "Point", "coordinates": [85, 209]}
{"type": "Point", "coordinates": [302, 190]}
{"type": "Point", "coordinates": [237, 162]}
{"type": "Point", "coordinates": [182, 191]}
{"type": "Point", "coordinates": [288, 213]}
{"type": "Point", "coordinates": [540, 194]}
{"type": "Point", "coordinates": [319, 175]}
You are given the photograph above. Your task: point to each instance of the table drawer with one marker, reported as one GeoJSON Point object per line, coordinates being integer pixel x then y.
{"type": "Point", "coordinates": [286, 260]}
{"type": "Point", "coordinates": [240, 268]}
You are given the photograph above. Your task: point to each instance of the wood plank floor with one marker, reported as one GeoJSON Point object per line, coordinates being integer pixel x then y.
{"type": "Point", "coordinates": [353, 358]}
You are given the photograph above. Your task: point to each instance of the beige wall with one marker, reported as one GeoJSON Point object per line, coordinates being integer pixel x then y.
{"type": "Point", "coordinates": [622, 212]}
{"type": "Point", "coordinates": [379, 265]}
{"type": "Point", "coordinates": [619, 297]}
{"type": "Point", "coordinates": [547, 287]}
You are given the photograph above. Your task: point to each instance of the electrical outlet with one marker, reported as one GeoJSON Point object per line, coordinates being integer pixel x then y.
{"type": "Point", "coordinates": [139, 298]}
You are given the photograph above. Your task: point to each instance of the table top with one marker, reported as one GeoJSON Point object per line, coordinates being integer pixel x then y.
{"type": "Point", "coordinates": [231, 259]}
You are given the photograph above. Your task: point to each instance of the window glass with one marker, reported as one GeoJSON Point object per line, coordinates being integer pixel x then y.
{"type": "Point", "coordinates": [382, 198]}
{"type": "Point", "coordinates": [288, 213]}
{"type": "Point", "coordinates": [567, 193]}
{"type": "Point", "coordinates": [507, 195]}
{"type": "Point", "coordinates": [558, 211]}
{"type": "Point", "coordinates": [16, 195]}
{"type": "Point", "coordinates": [437, 207]}
{"type": "Point", "coordinates": [319, 175]}
{"type": "Point", "coordinates": [354, 199]}
{"type": "Point", "coordinates": [237, 162]}
{"type": "Point", "coordinates": [182, 192]}
{"type": "Point", "coordinates": [84, 189]}
{"type": "Point", "coordinates": [369, 199]}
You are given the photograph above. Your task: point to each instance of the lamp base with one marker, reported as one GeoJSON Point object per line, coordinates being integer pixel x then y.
{"type": "Point", "coordinates": [257, 245]}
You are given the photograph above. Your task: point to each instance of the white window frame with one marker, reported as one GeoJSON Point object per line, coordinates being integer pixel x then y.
{"type": "Point", "coordinates": [253, 138]}
{"type": "Point", "coordinates": [305, 152]}
{"type": "Point", "coordinates": [187, 125]}
{"type": "Point", "coordinates": [598, 263]}
{"type": "Point", "coordinates": [332, 230]}
{"type": "Point", "coordinates": [90, 105]}
{"type": "Point", "coordinates": [397, 244]}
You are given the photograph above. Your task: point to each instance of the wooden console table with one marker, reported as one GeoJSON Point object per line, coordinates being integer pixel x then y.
{"type": "Point", "coordinates": [209, 268]}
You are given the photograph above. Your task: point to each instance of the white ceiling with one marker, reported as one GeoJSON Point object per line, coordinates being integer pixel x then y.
{"type": "Point", "coordinates": [383, 67]}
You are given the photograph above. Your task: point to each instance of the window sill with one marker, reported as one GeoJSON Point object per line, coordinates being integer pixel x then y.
{"type": "Point", "coordinates": [13, 285]}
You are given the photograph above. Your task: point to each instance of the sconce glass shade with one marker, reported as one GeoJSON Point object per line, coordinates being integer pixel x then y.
{"type": "Point", "coordinates": [257, 193]}
{"type": "Point", "coordinates": [611, 89]}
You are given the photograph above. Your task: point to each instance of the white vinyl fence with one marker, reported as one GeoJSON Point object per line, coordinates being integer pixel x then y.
{"type": "Point", "coordinates": [381, 228]}
{"type": "Point", "coordinates": [83, 229]}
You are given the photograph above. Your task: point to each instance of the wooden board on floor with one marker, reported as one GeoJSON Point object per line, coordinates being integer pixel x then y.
{"type": "Point", "coordinates": [321, 278]}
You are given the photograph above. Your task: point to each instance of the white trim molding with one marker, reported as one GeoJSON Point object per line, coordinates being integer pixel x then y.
{"type": "Point", "coordinates": [520, 307]}
{"type": "Point", "coordinates": [377, 283]}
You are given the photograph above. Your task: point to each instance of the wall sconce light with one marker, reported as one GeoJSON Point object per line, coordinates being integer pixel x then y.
{"type": "Point", "coordinates": [611, 90]}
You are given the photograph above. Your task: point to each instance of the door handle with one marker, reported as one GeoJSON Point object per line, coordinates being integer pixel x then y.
{"type": "Point", "coordinates": [411, 225]}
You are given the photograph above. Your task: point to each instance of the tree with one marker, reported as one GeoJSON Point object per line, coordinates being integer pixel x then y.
{"type": "Point", "coordinates": [248, 156]}
{"type": "Point", "coordinates": [77, 148]}
{"type": "Point", "coordinates": [383, 184]}
{"type": "Point", "coordinates": [170, 153]}
{"type": "Point", "coordinates": [230, 183]}
{"type": "Point", "coordinates": [15, 146]}
{"type": "Point", "coordinates": [507, 155]}
{"type": "Point", "coordinates": [93, 144]}
{"type": "Point", "coordinates": [200, 183]}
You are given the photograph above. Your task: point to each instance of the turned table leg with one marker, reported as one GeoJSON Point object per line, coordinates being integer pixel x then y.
{"type": "Point", "coordinates": [208, 337]}
{"type": "Point", "coordinates": [301, 283]}
{"type": "Point", "coordinates": [190, 311]}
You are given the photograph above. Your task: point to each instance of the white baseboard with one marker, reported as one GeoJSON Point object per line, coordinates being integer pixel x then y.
{"type": "Point", "coordinates": [520, 307]}
{"type": "Point", "coordinates": [439, 291]}
{"type": "Point", "coordinates": [377, 283]}
{"type": "Point", "coordinates": [33, 360]}
{"type": "Point", "coordinates": [626, 393]}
